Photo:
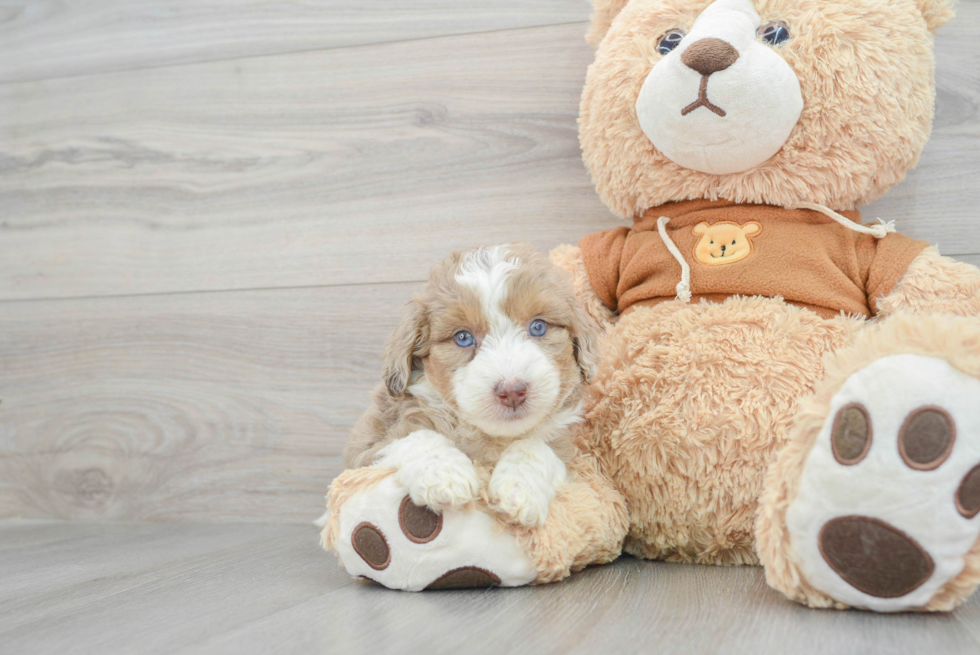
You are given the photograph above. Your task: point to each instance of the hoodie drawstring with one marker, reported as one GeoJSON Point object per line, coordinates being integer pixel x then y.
{"type": "Point", "coordinates": [878, 231]}
{"type": "Point", "coordinates": [683, 287]}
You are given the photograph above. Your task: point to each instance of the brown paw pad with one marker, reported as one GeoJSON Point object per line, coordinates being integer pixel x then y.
{"type": "Point", "coordinates": [968, 493]}
{"type": "Point", "coordinates": [874, 557]}
{"type": "Point", "coordinates": [420, 525]}
{"type": "Point", "coordinates": [926, 438]}
{"type": "Point", "coordinates": [851, 435]}
{"type": "Point", "coordinates": [464, 578]}
{"type": "Point", "coordinates": [369, 542]}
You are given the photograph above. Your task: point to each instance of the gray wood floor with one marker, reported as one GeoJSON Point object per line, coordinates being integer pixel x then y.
{"type": "Point", "coordinates": [209, 215]}
{"type": "Point", "coordinates": [199, 588]}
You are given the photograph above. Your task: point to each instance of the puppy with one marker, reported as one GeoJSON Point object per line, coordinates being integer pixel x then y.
{"type": "Point", "coordinates": [487, 367]}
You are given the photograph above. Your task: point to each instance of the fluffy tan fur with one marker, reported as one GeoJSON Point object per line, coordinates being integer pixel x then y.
{"type": "Point", "coordinates": [957, 340]}
{"type": "Point", "coordinates": [586, 524]}
{"type": "Point", "coordinates": [936, 12]}
{"type": "Point", "coordinates": [935, 284]}
{"type": "Point", "coordinates": [569, 258]}
{"type": "Point", "coordinates": [868, 105]}
{"type": "Point", "coordinates": [690, 406]}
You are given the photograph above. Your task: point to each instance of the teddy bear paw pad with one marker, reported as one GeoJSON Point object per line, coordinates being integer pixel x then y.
{"type": "Point", "coordinates": [387, 538]}
{"type": "Point", "coordinates": [464, 578]}
{"type": "Point", "coordinates": [888, 499]}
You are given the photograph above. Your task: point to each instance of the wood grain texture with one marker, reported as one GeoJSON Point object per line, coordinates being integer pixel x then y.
{"type": "Point", "coordinates": [353, 165]}
{"type": "Point", "coordinates": [201, 407]}
{"type": "Point", "coordinates": [345, 166]}
{"type": "Point", "coordinates": [180, 588]}
{"type": "Point", "coordinates": [47, 38]}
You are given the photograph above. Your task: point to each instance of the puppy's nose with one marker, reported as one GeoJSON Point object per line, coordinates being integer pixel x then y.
{"type": "Point", "coordinates": [511, 393]}
{"type": "Point", "coordinates": [710, 55]}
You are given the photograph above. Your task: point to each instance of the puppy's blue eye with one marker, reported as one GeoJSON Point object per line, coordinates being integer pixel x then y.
{"type": "Point", "coordinates": [464, 339]}
{"type": "Point", "coordinates": [537, 328]}
{"type": "Point", "coordinates": [775, 33]}
{"type": "Point", "coordinates": [670, 40]}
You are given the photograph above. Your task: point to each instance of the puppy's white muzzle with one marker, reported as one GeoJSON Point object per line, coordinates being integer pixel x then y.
{"type": "Point", "coordinates": [503, 357]}
{"type": "Point", "coordinates": [758, 93]}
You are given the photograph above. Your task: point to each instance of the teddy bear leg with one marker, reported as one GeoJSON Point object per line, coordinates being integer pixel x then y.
{"type": "Point", "coordinates": [874, 502]}
{"type": "Point", "coordinates": [378, 533]}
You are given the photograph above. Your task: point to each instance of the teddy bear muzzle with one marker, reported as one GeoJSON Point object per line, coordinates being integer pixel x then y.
{"type": "Point", "coordinates": [721, 102]}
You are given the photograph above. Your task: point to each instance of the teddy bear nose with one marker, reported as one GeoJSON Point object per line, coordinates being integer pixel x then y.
{"type": "Point", "coordinates": [709, 55]}
{"type": "Point", "coordinates": [511, 393]}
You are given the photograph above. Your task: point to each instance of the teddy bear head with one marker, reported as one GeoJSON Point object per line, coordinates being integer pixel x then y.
{"type": "Point", "coordinates": [757, 101]}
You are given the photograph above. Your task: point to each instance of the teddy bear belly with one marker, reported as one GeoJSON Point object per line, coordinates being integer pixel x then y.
{"type": "Point", "coordinates": [692, 403]}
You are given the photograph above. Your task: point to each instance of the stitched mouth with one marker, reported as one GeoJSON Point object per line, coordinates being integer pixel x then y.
{"type": "Point", "coordinates": [703, 101]}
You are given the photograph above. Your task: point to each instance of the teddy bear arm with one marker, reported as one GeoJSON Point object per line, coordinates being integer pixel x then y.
{"type": "Point", "coordinates": [934, 284]}
{"type": "Point", "coordinates": [570, 258]}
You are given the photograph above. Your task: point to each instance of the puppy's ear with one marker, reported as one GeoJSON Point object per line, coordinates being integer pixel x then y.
{"type": "Point", "coordinates": [403, 346]}
{"type": "Point", "coordinates": [585, 341]}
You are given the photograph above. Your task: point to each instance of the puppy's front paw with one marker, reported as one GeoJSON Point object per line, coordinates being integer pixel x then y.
{"type": "Point", "coordinates": [448, 481]}
{"type": "Point", "coordinates": [435, 472]}
{"type": "Point", "coordinates": [520, 495]}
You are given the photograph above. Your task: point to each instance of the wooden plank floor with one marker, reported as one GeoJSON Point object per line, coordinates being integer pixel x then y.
{"type": "Point", "coordinates": [243, 589]}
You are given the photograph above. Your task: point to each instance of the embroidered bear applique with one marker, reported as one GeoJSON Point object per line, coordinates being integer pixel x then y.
{"type": "Point", "coordinates": [724, 242]}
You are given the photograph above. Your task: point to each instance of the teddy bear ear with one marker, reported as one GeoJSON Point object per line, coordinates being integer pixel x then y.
{"type": "Point", "coordinates": [603, 13]}
{"type": "Point", "coordinates": [936, 12]}
{"type": "Point", "coordinates": [701, 228]}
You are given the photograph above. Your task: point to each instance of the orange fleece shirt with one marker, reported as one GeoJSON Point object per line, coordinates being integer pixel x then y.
{"type": "Point", "coordinates": [801, 255]}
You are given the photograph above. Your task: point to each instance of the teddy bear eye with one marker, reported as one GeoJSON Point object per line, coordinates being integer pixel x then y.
{"type": "Point", "coordinates": [775, 33]}
{"type": "Point", "coordinates": [733, 242]}
{"type": "Point", "coordinates": [670, 40]}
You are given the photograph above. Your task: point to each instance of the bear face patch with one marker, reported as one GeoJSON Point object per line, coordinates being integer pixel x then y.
{"type": "Point", "coordinates": [724, 242]}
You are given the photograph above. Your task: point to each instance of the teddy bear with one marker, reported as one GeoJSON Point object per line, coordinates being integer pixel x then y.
{"type": "Point", "coordinates": [781, 384]}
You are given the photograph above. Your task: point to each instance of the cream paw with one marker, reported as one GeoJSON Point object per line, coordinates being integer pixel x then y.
{"type": "Point", "coordinates": [525, 481]}
{"type": "Point", "coordinates": [435, 473]}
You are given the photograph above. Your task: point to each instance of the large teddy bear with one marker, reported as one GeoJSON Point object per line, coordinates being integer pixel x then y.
{"type": "Point", "coordinates": [781, 384]}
